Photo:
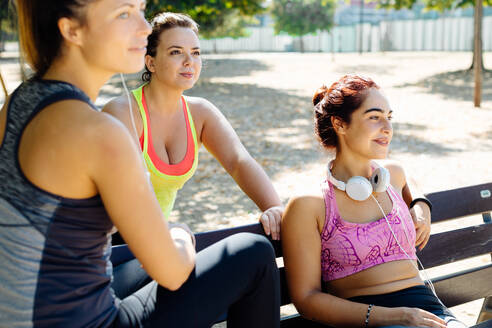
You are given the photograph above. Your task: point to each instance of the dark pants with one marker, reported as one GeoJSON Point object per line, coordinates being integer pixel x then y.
{"type": "Point", "coordinates": [418, 296]}
{"type": "Point", "coordinates": [237, 275]}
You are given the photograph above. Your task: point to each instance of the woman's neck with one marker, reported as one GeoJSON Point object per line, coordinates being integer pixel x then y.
{"type": "Point", "coordinates": [80, 74]}
{"type": "Point", "coordinates": [162, 99]}
{"type": "Point", "coordinates": [344, 167]}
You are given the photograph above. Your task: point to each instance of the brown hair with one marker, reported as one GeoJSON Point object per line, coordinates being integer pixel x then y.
{"type": "Point", "coordinates": [160, 23]}
{"type": "Point", "coordinates": [39, 36]}
{"type": "Point", "coordinates": [340, 100]}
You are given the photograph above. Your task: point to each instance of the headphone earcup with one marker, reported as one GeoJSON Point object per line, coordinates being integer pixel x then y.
{"type": "Point", "coordinates": [358, 188]}
{"type": "Point", "coordinates": [380, 179]}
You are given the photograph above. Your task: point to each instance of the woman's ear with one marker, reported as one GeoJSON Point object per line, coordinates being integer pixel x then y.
{"type": "Point", "coordinates": [71, 30]}
{"type": "Point", "coordinates": [338, 124]}
{"type": "Point", "coordinates": [149, 63]}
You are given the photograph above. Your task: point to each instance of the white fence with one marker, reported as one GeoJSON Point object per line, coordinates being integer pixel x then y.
{"type": "Point", "coordinates": [443, 34]}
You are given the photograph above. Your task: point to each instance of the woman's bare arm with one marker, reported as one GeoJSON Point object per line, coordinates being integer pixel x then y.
{"type": "Point", "coordinates": [222, 142]}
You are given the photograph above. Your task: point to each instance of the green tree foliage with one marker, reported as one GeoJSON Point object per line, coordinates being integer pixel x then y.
{"type": "Point", "coordinates": [7, 21]}
{"type": "Point", "coordinates": [217, 18]}
{"type": "Point", "coordinates": [301, 17]}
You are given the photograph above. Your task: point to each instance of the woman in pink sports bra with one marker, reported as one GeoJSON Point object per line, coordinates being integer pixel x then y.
{"type": "Point", "coordinates": [173, 65]}
{"type": "Point", "coordinates": [348, 263]}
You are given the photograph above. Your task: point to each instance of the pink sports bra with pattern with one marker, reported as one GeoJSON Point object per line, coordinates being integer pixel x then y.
{"type": "Point", "coordinates": [348, 247]}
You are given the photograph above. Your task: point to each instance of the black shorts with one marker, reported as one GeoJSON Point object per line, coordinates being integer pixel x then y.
{"type": "Point", "coordinates": [420, 297]}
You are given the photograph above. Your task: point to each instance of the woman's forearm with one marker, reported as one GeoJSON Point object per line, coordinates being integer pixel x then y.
{"type": "Point", "coordinates": [253, 180]}
{"type": "Point", "coordinates": [338, 312]}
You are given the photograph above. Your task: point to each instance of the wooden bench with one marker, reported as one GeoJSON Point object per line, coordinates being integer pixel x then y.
{"type": "Point", "coordinates": [454, 288]}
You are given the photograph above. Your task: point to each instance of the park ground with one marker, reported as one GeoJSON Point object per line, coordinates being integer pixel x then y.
{"type": "Point", "coordinates": [441, 139]}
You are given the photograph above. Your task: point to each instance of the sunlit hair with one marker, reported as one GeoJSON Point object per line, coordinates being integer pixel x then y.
{"type": "Point", "coordinates": [163, 22]}
{"type": "Point", "coordinates": [39, 36]}
{"type": "Point", "coordinates": [340, 100]}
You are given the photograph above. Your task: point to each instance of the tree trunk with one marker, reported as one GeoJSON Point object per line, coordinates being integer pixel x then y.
{"type": "Point", "coordinates": [477, 56]}
{"type": "Point", "coordinates": [215, 46]}
{"type": "Point", "coordinates": [301, 43]}
{"type": "Point", "coordinates": [477, 19]}
{"type": "Point", "coordinates": [472, 66]}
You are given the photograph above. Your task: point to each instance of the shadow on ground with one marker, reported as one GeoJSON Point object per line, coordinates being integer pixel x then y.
{"type": "Point", "coordinates": [406, 139]}
{"type": "Point", "coordinates": [276, 129]}
{"type": "Point", "coordinates": [457, 85]}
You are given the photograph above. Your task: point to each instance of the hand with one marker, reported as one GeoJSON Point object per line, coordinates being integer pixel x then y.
{"type": "Point", "coordinates": [421, 217]}
{"type": "Point", "coordinates": [173, 229]}
{"type": "Point", "coordinates": [270, 219]}
{"type": "Point", "coordinates": [415, 317]}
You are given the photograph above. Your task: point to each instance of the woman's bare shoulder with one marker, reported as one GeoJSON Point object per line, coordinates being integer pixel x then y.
{"type": "Point", "coordinates": [396, 171]}
{"type": "Point", "coordinates": [304, 209]}
{"type": "Point", "coordinates": [201, 106]}
{"type": "Point", "coordinates": [118, 106]}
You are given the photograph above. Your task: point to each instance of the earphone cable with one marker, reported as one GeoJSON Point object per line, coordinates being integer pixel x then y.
{"type": "Point", "coordinates": [127, 93]}
{"type": "Point", "coordinates": [427, 279]}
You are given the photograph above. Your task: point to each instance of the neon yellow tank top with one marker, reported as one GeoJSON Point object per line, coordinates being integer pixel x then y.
{"type": "Point", "coordinates": [167, 179]}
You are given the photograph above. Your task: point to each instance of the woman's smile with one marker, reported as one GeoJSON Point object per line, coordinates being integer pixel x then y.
{"type": "Point", "coordinates": [187, 75]}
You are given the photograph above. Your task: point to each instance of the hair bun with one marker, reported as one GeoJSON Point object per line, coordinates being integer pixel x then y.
{"type": "Point", "coordinates": [319, 94]}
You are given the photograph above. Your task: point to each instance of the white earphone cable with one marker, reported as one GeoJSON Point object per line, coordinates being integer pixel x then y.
{"type": "Point", "coordinates": [427, 279]}
{"type": "Point", "coordinates": [131, 117]}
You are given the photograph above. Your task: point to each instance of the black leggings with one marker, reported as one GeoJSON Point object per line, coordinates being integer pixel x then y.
{"type": "Point", "coordinates": [237, 276]}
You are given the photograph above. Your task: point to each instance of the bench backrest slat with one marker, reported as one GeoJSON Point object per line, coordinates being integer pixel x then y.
{"type": "Point", "coordinates": [459, 288]}
{"type": "Point", "coordinates": [455, 245]}
{"type": "Point", "coordinates": [205, 239]}
{"type": "Point", "coordinates": [456, 203]}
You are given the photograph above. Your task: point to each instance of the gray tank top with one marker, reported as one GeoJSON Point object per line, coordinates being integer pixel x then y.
{"type": "Point", "coordinates": [54, 251]}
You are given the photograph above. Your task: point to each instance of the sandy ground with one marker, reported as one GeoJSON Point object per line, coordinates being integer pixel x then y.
{"type": "Point", "coordinates": [442, 140]}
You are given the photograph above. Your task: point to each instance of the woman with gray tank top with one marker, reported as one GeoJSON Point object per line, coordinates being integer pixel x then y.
{"type": "Point", "coordinates": [70, 174]}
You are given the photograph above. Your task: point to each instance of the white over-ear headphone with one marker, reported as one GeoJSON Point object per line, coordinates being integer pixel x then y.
{"type": "Point", "coordinates": [359, 188]}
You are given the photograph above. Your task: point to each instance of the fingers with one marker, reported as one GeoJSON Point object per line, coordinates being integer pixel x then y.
{"type": "Point", "coordinates": [422, 318]}
{"type": "Point", "coordinates": [270, 219]}
{"type": "Point", "coordinates": [426, 239]}
{"type": "Point", "coordinates": [422, 236]}
{"type": "Point", "coordinates": [419, 236]}
{"type": "Point", "coordinates": [274, 228]}
{"type": "Point", "coordinates": [265, 222]}
{"type": "Point", "coordinates": [432, 320]}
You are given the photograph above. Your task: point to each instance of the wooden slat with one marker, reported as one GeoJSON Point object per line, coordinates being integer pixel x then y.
{"type": "Point", "coordinates": [465, 286]}
{"type": "Point", "coordinates": [455, 245]}
{"type": "Point", "coordinates": [205, 239]}
{"type": "Point", "coordinates": [460, 202]}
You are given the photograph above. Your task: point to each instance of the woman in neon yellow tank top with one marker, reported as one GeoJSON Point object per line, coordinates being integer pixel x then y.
{"type": "Point", "coordinates": [171, 127]}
